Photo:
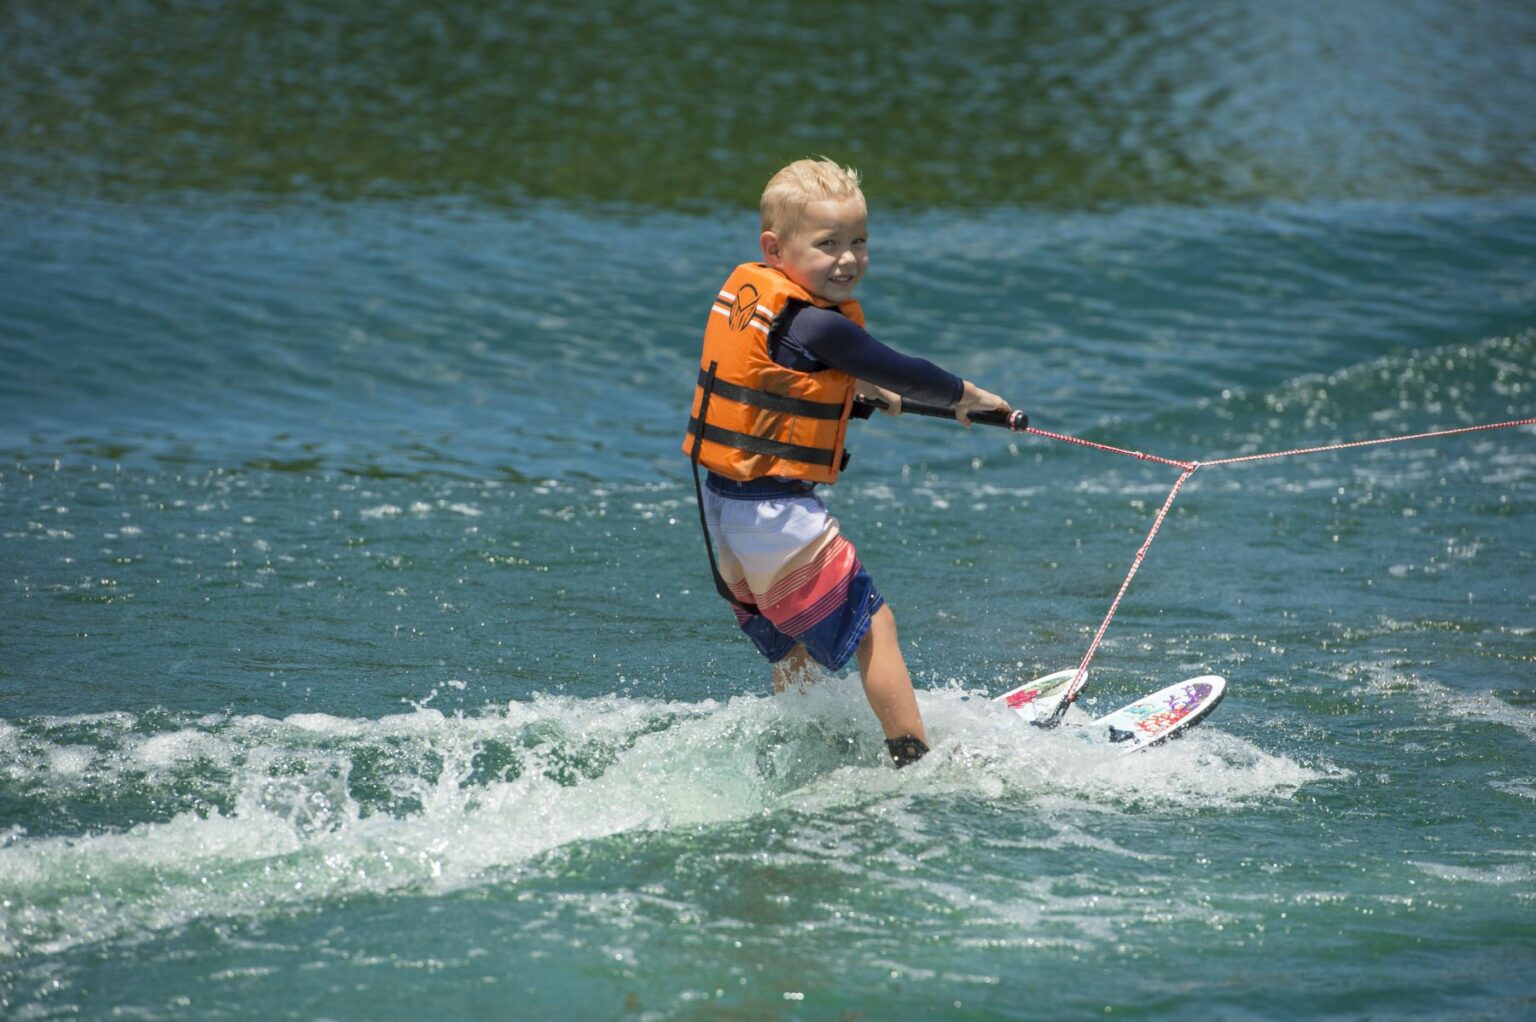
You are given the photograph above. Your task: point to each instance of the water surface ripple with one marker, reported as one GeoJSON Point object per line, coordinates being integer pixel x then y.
{"type": "Point", "coordinates": [360, 659]}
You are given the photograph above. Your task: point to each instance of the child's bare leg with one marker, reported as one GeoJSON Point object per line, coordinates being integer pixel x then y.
{"type": "Point", "coordinates": [887, 685]}
{"type": "Point", "coordinates": [795, 669]}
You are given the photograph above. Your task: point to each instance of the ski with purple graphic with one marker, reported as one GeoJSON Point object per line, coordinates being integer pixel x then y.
{"type": "Point", "coordinates": [1150, 720]}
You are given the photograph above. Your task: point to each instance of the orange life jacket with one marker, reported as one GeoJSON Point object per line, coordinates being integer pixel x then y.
{"type": "Point", "coordinates": [761, 418]}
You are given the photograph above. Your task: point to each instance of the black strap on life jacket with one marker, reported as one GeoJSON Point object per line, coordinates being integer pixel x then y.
{"type": "Point", "coordinates": [707, 385]}
{"type": "Point", "coordinates": [775, 402]}
{"type": "Point", "coordinates": [700, 428]}
{"type": "Point", "coordinates": [701, 431]}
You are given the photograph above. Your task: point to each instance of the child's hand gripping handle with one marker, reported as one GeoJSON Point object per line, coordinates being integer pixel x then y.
{"type": "Point", "coordinates": [1016, 421]}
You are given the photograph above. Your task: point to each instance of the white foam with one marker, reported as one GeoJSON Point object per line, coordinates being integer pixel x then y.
{"type": "Point", "coordinates": [381, 511]}
{"type": "Point", "coordinates": [1497, 875]}
{"type": "Point", "coordinates": [1442, 701]}
{"type": "Point", "coordinates": [179, 747]}
{"type": "Point", "coordinates": [321, 806]}
{"type": "Point", "coordinates": [1524, 787]}
{"type": "Point", "coordinates": [70, 761]}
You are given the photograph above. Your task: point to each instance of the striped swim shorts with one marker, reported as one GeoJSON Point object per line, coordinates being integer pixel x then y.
{"type": "Point", "coordinates": [784, 553]}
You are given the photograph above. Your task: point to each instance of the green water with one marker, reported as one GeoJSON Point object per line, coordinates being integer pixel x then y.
{"type": "Point", "coordinates": [360, 657]}
{"type": "Point", "coordinates": [682, 105]}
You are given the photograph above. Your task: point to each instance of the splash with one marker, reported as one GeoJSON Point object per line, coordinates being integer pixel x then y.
{"type": "Point", "coordinates": [265, 814]}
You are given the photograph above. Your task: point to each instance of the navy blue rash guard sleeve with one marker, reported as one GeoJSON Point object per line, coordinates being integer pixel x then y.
{"type": "Point", "coordinates": [811, 338]}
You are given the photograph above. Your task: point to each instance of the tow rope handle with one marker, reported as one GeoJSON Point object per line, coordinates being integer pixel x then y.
{"type": "Point", "coordinates": [1016, 421]}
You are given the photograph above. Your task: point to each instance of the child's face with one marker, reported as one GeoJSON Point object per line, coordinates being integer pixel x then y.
{"type": "Point", "coordinates": [828, 253]}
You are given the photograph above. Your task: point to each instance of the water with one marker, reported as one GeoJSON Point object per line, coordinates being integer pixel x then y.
{"type": "Point", "coordinates": [360, 659]}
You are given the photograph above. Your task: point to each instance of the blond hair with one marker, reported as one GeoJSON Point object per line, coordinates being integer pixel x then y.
{"type": "Point", "coordinates": [798, 185]}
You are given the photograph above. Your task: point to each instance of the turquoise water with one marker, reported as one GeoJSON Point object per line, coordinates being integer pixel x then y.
{"type": "Point", "coordinates": [360, 656]}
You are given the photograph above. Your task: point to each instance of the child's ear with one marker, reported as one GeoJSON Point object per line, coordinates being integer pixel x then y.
{"type": "Point", "coordinates": [773, 249]}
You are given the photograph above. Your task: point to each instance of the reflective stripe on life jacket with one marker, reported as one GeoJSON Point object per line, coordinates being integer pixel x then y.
{"type": "Point", "coordinates": [761, 418]}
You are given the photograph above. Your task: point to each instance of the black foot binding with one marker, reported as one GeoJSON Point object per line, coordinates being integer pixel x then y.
{"type": "Point", "coordinates": [906, 749]}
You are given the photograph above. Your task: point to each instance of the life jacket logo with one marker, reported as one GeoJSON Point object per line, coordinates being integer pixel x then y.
{"type": "Point", "coordinates": [743, 307]}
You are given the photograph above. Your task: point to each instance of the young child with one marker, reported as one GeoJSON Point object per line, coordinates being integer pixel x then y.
{"type": "Point", "coordinates": [785, 353]}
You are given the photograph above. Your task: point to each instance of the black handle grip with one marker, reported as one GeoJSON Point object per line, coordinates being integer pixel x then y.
{"type": "Point", "coordinates": [1016, 421]}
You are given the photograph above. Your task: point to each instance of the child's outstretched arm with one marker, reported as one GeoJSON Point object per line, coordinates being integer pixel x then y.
{"type": "Point", "coordinates": [838, 342]}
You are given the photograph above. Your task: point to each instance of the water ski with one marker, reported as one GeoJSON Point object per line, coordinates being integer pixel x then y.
{"type": "Point", "coordinates": [1150, 720]}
